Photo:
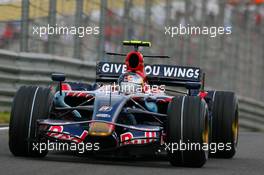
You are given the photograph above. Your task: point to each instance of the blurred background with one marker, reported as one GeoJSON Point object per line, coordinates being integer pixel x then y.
{"type": "Point", "coordinates": [232, 62]}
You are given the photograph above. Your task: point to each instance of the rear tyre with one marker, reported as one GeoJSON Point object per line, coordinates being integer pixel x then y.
{"type": "Point", "coordinates": [29, 104]}
{"type": "Point", "coordinates": [225, 123]}
{"type": "Point", "coordinates": [187, 123]}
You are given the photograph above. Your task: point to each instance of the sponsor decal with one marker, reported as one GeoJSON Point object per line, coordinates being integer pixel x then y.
{"type": "Point", "coordinates": [163, 71]}
{"type": "Point", "coordinates": [105, 108]}
{"type": "Point", "coordinates": [117, 68]}
{"type": "Point", "coordinates": [128, 138]}
{"type": "Point", "coordinates": [103, 115]}
{"type": "Point", "coordinates": [58, 132]}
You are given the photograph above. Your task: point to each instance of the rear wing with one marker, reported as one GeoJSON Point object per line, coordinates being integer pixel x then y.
{"type": "Point", "coordinates": [137, 43]}
{"type": "Point", "coordinates": [189, 77]}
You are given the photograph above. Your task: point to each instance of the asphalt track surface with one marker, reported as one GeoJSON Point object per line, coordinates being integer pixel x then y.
{"type": "Point", "coordinates": [249, 160]}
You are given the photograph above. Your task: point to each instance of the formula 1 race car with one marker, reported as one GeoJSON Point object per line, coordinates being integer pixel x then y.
{"type": "Point", "coordinates": [129, 111]}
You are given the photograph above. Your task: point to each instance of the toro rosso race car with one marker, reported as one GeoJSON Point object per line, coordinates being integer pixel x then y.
{"type": "Point", "coordinates": [129, 111]}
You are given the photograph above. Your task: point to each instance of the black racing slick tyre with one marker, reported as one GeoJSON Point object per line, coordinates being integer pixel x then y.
{"type": "Point", "coordinates": [224, 123]}
{"type": "Point", "coordinates": [187, 123]}
{"type": "Point", "coordinates": [29, 104]}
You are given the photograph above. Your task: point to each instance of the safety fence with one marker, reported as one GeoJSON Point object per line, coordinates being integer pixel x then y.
{"type": "Point", "coordinates": [232, 61]}
{"type": "Point", "coordinates": [17, 69]}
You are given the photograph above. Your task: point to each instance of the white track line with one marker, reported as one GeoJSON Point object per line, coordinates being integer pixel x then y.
{"type": "Point", "coordinates": [4, 128]}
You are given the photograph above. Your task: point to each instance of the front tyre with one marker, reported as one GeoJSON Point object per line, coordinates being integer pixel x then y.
{"type": "Point", "coordinates": [188, 123]}
{"type": "Point", "coordinates": [30, 104]}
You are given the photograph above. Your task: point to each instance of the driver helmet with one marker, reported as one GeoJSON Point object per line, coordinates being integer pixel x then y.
{"type": "Point", "coordinates": [131, 82]}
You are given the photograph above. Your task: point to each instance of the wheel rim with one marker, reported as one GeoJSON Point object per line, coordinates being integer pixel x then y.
{"type": "Point", "coordinates": [206, 131]}
{"type": "Point", "coordinates": [235, 128]}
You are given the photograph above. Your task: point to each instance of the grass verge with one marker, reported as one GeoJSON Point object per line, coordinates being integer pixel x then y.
{"type": "Point", "coordinates": [4, 117]}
